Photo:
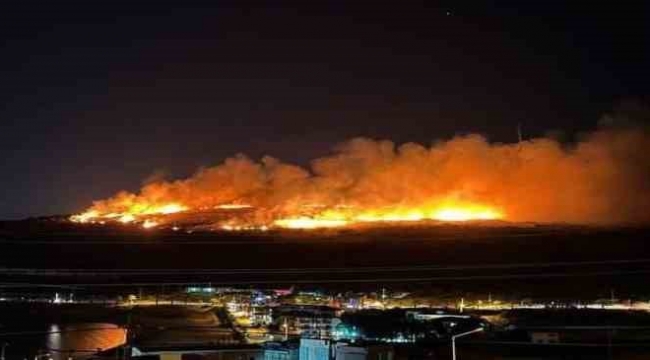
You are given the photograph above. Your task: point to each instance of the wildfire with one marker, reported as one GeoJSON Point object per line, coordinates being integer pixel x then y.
{"type": "Point", "coordinates": [448, 212]}
{"type": "Point", "coordinates": [148, 224]}
{"type": "Point", "coordinates": [127, 218]}
{"type": "Point", "coordinates": [167, 209]}
{"type": "Point", "coordinates": [229, 227]}
{"type": "Point", "coordinates": [339, 216]}
{"type": "Point", "coordinates": [467, 214]}
{"type": "Point", "coordinates": [85, 217]}
{"type": "Point", "coordinates": [309, 223]}
{"type": "Point", "coordinates": [133, 214]}
{"type": "Point", "coordinates": [600, 179]}
{"type": "Point", "coordinates": [233, 206]}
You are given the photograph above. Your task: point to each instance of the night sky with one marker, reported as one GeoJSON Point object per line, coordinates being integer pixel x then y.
{"type": "Point", "coordinates": [97, 96]}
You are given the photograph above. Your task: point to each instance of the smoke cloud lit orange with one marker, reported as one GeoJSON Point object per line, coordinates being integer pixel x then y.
{"type": "Point", "coordinates": [602, 179]}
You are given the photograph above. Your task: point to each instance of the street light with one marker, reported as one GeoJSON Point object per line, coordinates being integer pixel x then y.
{"type": "Point", "coordinates": [453, 340]}
{"type": "Point", "coordinates": [2, 354]}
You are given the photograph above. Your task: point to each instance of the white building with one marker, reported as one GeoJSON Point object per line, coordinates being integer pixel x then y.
{"type": "Point", "coordinates": [279, 351]}
{"type": "Point", "coordinates": [315, 349]}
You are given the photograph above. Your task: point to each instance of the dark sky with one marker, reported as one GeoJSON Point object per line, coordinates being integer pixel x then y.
{"type": "Point", "coordinates": [96, 96]}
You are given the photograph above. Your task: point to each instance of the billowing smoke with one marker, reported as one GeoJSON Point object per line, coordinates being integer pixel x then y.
{"type": "Point", "coordinates": [603, 179]}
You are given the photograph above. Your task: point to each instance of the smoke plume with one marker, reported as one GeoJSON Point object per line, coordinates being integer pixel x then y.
{"type": "Point", "coordinates": [601, 179]}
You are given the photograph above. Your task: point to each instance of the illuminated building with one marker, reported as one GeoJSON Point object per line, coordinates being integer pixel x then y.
{"type": "Point", "coordinates": [280, 351]}
{"type": "Point", "coordinates": [307, 321]}
{"type": "Point", "coordinates": [261, 315]}
{"type": "Point", "coordinates": [315, 349]}
{"type": "Point", "coordinates": [319, 349]}
{"type": "Point", "coordinates": [238, 304]}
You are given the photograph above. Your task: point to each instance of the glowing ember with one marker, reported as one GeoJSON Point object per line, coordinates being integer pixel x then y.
{"type": "Point", "coordinates": [320, 216]}
{"type": "Point", "coordinates": [167, 209]}
{"type": "Point", "coordinates": [229, 227]}
{"type": "Point", "coordinates": [127, 218]}
{"type": "Point", "coordinates": [85, 217]}
{"type": "Point", "coordinates": [391, 216]}
{"type": "Point", "coordinates": [466, 214]}
{"type": "Point", "coordinates": [131, 214]}
{"type": "Point", "coordinates": [148, 224]}
{"type": "Point", "coordinates": [331, 219]}
{"type": "Point", "coordinates": [233, 206]}
{"type": "Point", "coordinates": [309, 223]}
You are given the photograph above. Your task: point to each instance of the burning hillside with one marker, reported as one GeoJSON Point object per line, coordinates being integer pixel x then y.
{"type": "Point", "coordinates": [603, 179]}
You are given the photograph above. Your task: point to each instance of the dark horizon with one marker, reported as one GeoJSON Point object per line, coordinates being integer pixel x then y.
{"type": "Point", "coordinates": [99, 97]}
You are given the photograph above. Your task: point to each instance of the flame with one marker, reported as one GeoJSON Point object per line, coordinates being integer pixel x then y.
{"type": "Point", "coordinates": [466, 214]}
{"type": "Point", "coordinates": [447, 212]}
{"type": "Point", "coordinates": [167, 209]}
{"type": "Point", "coordinates": [333, 217]}
{"type": "Point", "coordinates": [601, 179]}
{"type": "Point", "coordinates": [233, 206]}
{"type": "Point", "coordinates": [127, 218]}
{"type": "Point", "coordinates": [149, 224]}
{"type": "Point", "coordinates": [249, 227]}
{"type": "Point", "coordinates": [304, 222]}
{"type": "Point", "coordinates": [85, 217]}
{"type": "Point", "coordinates": [130, 215]}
